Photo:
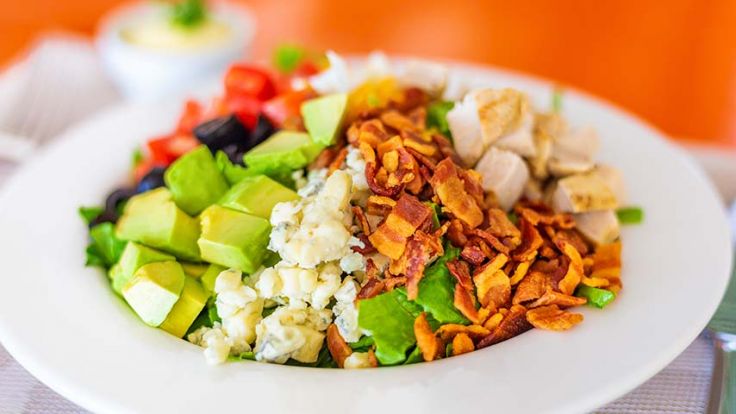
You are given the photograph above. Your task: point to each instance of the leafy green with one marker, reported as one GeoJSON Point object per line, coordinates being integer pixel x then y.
{"type": "Point", "coordinates": [188, 13]}
{"type": "Point", "coordinates": [213, 315]}
{"type": "Point", "coordinates": [137, 157]}
{"type": "Point", "coordinates": [243, 356]}
{"type": "Point", "coordinates": [389, 319]}
{"type": "Point", "coordinates": [90, 213]}
{"type": "Point", "coordinates": [268, 311]}
{"type": "Point", "coordinates": [287, 57]}
{"type": "Point", "coordinates": [630, 215]}
{"type": "Point", "coordinates": [437, 290]}
{"type": "Point", "coordinates": [437, 117]}
{"type": "Point", "coordinates": [557, 99]}
{"type": "Point", "coordinates": [105, 249]}
{"type": "Point", "coordinates": [596, 297]}
{"type": "Point", "coordinates": [513, 218]}
{"type": "Point", "coordinates": [436, 211]}
{"type": "Point", "coordinates": [448, 349]}
{"type": "Point", "coordinates": [414, 356]}
{"type": "Point", "coordinates": [363, 344]}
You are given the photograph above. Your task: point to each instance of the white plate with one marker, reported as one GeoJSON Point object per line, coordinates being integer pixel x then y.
{"type": "Point", "coordinates": [64, 324]}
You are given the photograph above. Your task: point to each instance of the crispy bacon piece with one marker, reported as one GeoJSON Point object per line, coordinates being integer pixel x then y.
{"type": "Point", "coordinates": [532, 287]}
{"type": "Point", "coordinates": [492, 285]}
{"type": "Point", "coordinates": [473, 254]}
{"type": "Point", "coordinates": [531, 241]}
{"type": "Point", "coordinates": [551, 297]}
{"type": "Point", "coordinates": [492, 323]}
{"type": "Point", "coordinates": [372, 288]}
{"type": "Point", "coordinates": [456, 233]}
{"type": "Point", "coordinates": [371, 270]}
{"type": "Point", "coordinates": [379, 205]}
{"type": "Point", "coordinates": [397, 121]}
{"type": "Point", "coordinates": [573, 237]}
{"type": "Point", "coordinates": [371, 132]}
{"type": "Point", "coordinates": [417, 255]}
{"type": "Point", "coordinates": [607, 265]}
{"type": "Point", "coordinates": [538, 213]}
{"type": "Point", "coordinates": [362, 220]}
{"type": "Point", "coordinates": [339, 349]}
{"type": "Point", "coordinates": [448, 331]}
{"type": "Point", "coordinates": [446, 148]}
{"type": "Point", "coordinates": [371, 169]}
{"type": "Point", "coordinates": [418, 117]}
{"type": "Point", "coordinates": [409, 99]}
{"type": "Point", "coordinates": [368, 249]}
{"type": "Point", "coordinates": [574, 271]}
{"type": "Point", "coordinates": [519, 272]}
{"type": "Point", "coordinates": [392, 282]}
{"type": "Point", "coordinates": [552, 318]}
{"type": "Point", "coordinates": [338, 160]}
{"type": "Point", "coordinates": [323, 159]}
{"type": "Point", "coordinates": [491, 240]}
{"type": "Point", "coordinates": [405, 218]}
{"type": "Point", "coordinates": [451, 191]}
{"type": "Point", "coordinates": [513, 324]}
{"type": "Point", "coordinates": [464, 301]}
{"type": "Point", "coordinates": [372, 360]}
{"type": "Point", "coordinates": [500, 226]}
{"type": "Point", "coordinates": [472, 182]}
{"type": "Point", "coordinates": [461, 272]}
{"type": "Point", "coordinates": [427, 341]}
{"type": "Point", "coordinates": [462, 344]}
{"type": "Point", "coordinates": [596, 282]}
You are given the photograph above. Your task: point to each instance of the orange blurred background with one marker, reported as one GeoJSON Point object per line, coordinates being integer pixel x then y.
{"type": "Point", "coordinates": [673, 63]}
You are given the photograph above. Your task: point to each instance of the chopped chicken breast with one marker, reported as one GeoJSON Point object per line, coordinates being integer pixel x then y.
{"type": "Point", "coordinates": [581, 193]}
{"type": "Point", "coordinates": [573, 152]}
{"type": "Point", "coordinates": [600, 227]}
{"type": "Point", "coordinates": [466, 131]}
{"type": "Point", "coordinates": [614, 180]}
{"type": "Point", "coordinates": [521, 140]}
{"type": "Point", "coordinates": [505, 174]}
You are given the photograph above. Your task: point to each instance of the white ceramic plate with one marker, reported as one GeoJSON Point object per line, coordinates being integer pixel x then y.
{"type": "Point", "coordinates": [64, 324]}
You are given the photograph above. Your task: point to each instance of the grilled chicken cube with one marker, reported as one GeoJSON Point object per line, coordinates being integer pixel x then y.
{"type": "Point", "coordinates": [599, 227]}
{"type": "Point", "coordinates": [505, 174]}
{"type": "Point", "coordinates": [614, 180]}
{"type": "Point", "coordinates": [581, 193]}
{"type": "Point", "coordinates": [521, 140]}
{"type": "Point", "coordinates": [548, 127]}
{"type": "Point", "coordinates": [573, 152]}
{"type": "Point", "coordinates": [466, 132]}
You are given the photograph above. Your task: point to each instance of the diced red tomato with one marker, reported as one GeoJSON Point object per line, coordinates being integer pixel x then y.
{"type": "Point", "coordinates": [165, 150]}
{"type": "Point", "coordinates": [306, 68]}
{"type": "Point", "coordinates": [285, 108]}
{"type": "Point", "coordinates": [245, 108]}
{"type": "Point", "coordinates": [192, 116]}
{"type": "Point", "coordinates": [249, 81]}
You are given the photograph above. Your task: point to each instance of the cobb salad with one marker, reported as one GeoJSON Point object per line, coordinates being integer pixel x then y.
{"type": "Point", "coordinates": [333, 215]}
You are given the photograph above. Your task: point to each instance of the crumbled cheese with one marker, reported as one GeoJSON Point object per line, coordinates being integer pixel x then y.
{"type": "Point", "coordinates": [214, 341]}
{"type": "Point", "coordinates": [357, 360]}
{"type": "Point", "coordinates": [346, 313]}
{"type": "Point", "coordinates": [314, 229]}
{"type": "Point", "coordinates": [292, 333]}
{"type": "Point", "coordinates": [296, 286]}
{"type": "Point", "coordinates": [356, 168]}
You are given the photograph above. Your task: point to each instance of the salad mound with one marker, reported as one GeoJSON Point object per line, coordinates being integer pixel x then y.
{"type": "Point", "coordinates": [331, 215]}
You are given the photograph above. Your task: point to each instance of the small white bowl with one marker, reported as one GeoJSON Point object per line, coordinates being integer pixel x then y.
{"type": "Point", "coordinates": [144, 73]}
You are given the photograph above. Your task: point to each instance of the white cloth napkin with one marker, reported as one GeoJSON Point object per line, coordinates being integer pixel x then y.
{"type": "Point", "coordinates": [60, 82]}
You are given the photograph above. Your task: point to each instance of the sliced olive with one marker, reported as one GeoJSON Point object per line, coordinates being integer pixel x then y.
{"type": "Point", "coordinates": [221, 132]}
{"type": "Point", "coordinates": [264, 129]}
{"type": "Point", "coordinates": [154, 179]}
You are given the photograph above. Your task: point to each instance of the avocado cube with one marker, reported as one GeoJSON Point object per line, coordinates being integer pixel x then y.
{"type": "Point", "coordinates": [323, 117]}
{"type": "Point", "coordinates": [134, 256]}
{"type": "Point", "coordinates": [191, 302]}
{"type": "Point", "coordinates": [153, 219]}
{"type": "Point", "coordinates": [233, 239]}
{"type": "Point", "coordinates": [209, 277]}
{"type": "Point", "coordinates": [195, 181]}
{"type": "Point", "coordinates": [195, 270]}
{"type": "Point", "coordinates": [154, 289]}
{"type": "Point", "coordinates": [285, 150]}
{"type": "Point", "coordinates": [257, 196]}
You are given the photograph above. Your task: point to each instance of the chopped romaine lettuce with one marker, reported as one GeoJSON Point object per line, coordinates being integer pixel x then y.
{"type": "Point", "coordinates": [437, 117]}
{"type": "Point", "coordinates": [287, 57]}
{"type": "Point", "coordinates": [105, 249]}
{"type": "Point", "coordinates": [414, 356]}
{"type": "Point", "coordinates": [437, 290]}
{"type": "Point", "coordinates": [363, 344]}
{"type": "Point", "coordinates": [90, 213]}
{"type": "Point", "coordinates": [596, 297]}
{"type": "Point", "coordinates": [630, 215]}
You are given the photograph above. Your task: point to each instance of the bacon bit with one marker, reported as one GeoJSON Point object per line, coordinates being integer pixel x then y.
{"type": "Point", "coordinates": [367, 152]}
{"type": "Point", "coordinates": [391, 161]}
{"type": "Point", "coordinates": [397, 121]}
{"type": "Point", "coordinates": [418, 117]}
{"type": "Point", "coordinates": [465, 303]}
{"type": "Point", "coordinates": [573, 237]}
{"type": "Point", "coordinates": [373, 183]}
{"type": "Point", "coordinates": [442, 230]}
{"type": "Point", "coordinates": [531, 241]}
{"type": "Point", "coordinates": [392, 282]}
{"type": "Point", "coordinates": [371, 132]}
{"type": "Point", "coordinates": [493, 322]}
{"type": "Point", "coordinates": [417, 255]}
{"type": "Point", "coordinates": [552, 318]}
{"type": "Point", "coordinates": [596, 282]}
{"type": "Point", "coordinates": [427, 342]}
{"type": "Point", "coordinates": [361, 219]}
{"type": "Point", "coordinates": [473, 254]}
{"type": "Point", "coordinates": [461, 271]}
{"type": "Point", "coordinates": [407, 165]}
{"type": "Point", "coordinates": [551, 297]}
{"type": "Point", "coordinates": [521, 269]}
{"type": "Point", "coordinates": [491, 239]}
{"type": "Point", "coordinates": [368, 249]}
{"type": "Point", "coordinates": [472, 182]}
{"type": "Point", "coordinates": [607, 265]}
{"type": "Point", "coordinates": [392, 144]}
{"type": "Point", "coordinates": [574, 271]}
{"type": "Point", "coordinates": [379, 205]}
{"type": "Point", "coordinates": [537, 213]}
{"type": "Point", "coordinates": [353, 133]}
{"type": "Point", "coordinates": [456, 233]}
{"type": "Point", "coordinates": [339, 349]}
{"type": "Point", "coordinates": [423, 160]}
{"type": "Point", "coordinates": [391, 236]}
{"type": "Point", "coordinates": [448, 331]}
{"type": "Point", "coordinates": [417, 184]}
{"type": "Point", "coordinates": [483, 247]}
{"type": "Point", "coordinates": [409, 99]}
{"type": "Point", "coordinates": [500, 226]}
{"type": "Point", "coordinates": [547, 251]}
{"type": "Point", "coordinates": [492, 286]}
{"type": "Point", "coordinates": [424, 149]}
{"type": "Point", "coordinates": [446, 148]}
{"type": "Point", "coordinates": [451, 190]}
{"type": "Point", "coordinates": [371, 270]}
{"type": "Point", "coordinates": [462, 344]}
{"type": "Point", "coordinates": [372, 360]}
{"type": "Point", "coordinates": [532, 287]}
{"type": "Point", "coordinates": [372, 288]}
{"type": "Point", "coordinates": [338, 160]}
{"type": "Point", "coordinates": [323, 159]}
{"type": "Point", "coordinates": [513, 324]}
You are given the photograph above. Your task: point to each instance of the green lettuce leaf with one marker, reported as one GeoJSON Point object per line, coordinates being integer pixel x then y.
{"type": "Point", "coordinates": [363, 344]}
{"type": "Point", "coordinates": [90, 213]}
{"type": "Point", "coordinates": [389, 319]}
{"type": "Point", "coordinates": [437, 290]}
{"type": "Point", "coordinates": [105, 249]}
{"type": "Point", "coordinates": [414, 357]}
{"type": "Point", "coordinates": [437, 117]}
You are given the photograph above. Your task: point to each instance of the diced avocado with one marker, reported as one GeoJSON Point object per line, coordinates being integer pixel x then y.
{"type": "Point", "coordinates": [195, 181]}
{"type": "Point", "coordinates": [114, 271]}
{"type": "Point", "coordinates": [152, 218]}
{"type": "Point", "coordinates": [191, 302]}
{"type": "Point", "coordinates": [209, 277]}
{"type": "Point", "coordinates": [195, 270]}
{"type": "Point", "coordinates": [285, 150]}
{"type": "Point", "coordinates": [233, 239]}
{"type": "Point", "coordinates": [323, 117]}
{"type": "Point", "coordinates": [134, 256]}
{"type": "Point", "coordinates": [257, 196]}
{"type": "Point", "coordinates": [154, 290]}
